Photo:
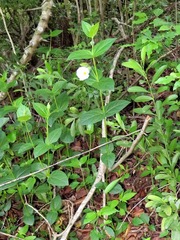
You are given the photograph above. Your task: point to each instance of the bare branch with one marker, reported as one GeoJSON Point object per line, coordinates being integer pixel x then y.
{"type": "Point", "coordinates": [33, 44]}
{"type": "Point", "coordinates": [135, 142]}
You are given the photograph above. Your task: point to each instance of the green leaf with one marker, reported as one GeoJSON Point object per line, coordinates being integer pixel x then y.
{"type": "Point", "coordinates": [102, 46]}
{"type": "Point", "coordinates": [86, 27]}
{"type": "Point", "coordinates": [5, 179]}
{"type": "Point", "coordinates": [80, 54]}
{"type": "Point", "coordinates": [115, 107]}
{"type": "Point", "coordinates": [155, 198]}
{"type": "Point", "coordinates": [111, 185]}
{"type": "Point", "coordinates": [53, 136]}
{"type": "Point", "coordinates": [143, 99]}
{"type": "Point", "coordinates": [56, 203]}
{"type": "Point", "coordinates": [29, 220]}
{"type": "Point", "coordinates": [40, 149]}
{"type": "Point", "coordinates": [137, 89]}
{"type": "Point", "coordinates": [167, 209]}
{"type": "Point", "coordinates": [58, 178]}
{"type": "Point", "coordinates": [110, 231]}
{"type": "Point", "coordinates": [165, 80]}
{"type": "Point", "coordinates": [89, 217]}
{"type": "Point", "coordinates": [143, 110]}
{"type": "Point", "coordinates": [23, 230]}
{"type": "Point", "coordinates": [142, 17]}
{"type": "Point", "coordinates": [135, 66]}
{"type": "Point", "coordinates": [55, 33]}
{"type": "Point", "coordinates": [30, 238]}
{"type": "Point", "coordinates": [57, 87]}
{"type": "Point", "coordinates": [145, 218]}
{"type": "Point", "coordinates": [23, 113]}
{"type": "Point", "coordinates": [25, 147]}
{"type": "Point", "coordinates": [93, 31]}
{"type": "Point", "coordinates": [41, 109]}
{"type": "Point", "coordinates": [92, 116]}
{"type": "Point", "coordinates": [137, 221]}
{"type": "Point", "coordinates": [3, 121]}
{"type": "Point", "coordinates": [143, 54]}
{"type": "Point", "coordinates": [158, 73]}
{"type": "Point", "coordinates": [28, 217]}
{"type": "Point", "coordinates": [107, 211]}
{"type": "Point", "coordinates": [52, 216]}
{"type": "Point", "coordinates": [157, 12]}
{"type": "Point", "coordinates": [108, 159]}
{"type": "Point", "coordinates": [104, 84]}
{"type": "Point", "coordinates": [127, 195]}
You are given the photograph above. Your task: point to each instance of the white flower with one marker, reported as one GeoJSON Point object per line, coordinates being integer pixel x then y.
{"type": "Point", "coordinates": [82, 73]}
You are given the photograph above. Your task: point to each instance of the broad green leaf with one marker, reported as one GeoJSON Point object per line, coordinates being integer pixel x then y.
{"type": "Point", "coordinates": [3, 121]}
{"type": "Point", "coordinates": [115, 107]}
{"type": "Point", "coordinates": [135, 66]}
{"type": "Point", "coordinates": [143, 99]}
{"type": "Point", "coordinates": [167, 209]}
{"type": "Point", "coordinates": [109, 231]}
{"type": "Point", "coordinates": [142, 17]}
{"type": "Point", "coordinates": [158, 73]}
{"type": "Point", "coordinates": [89, 217]}
{"type": "Point", "coordinates": [37, 166]}
{"type": "Point", "coordinates": [127, 195]}
{"type": "Point", "coordinates": [143, 110]}
{"type": "Point", "coordinates": [29, 220]}
{"type": "Point", "coordinates": [66, 136]}
{"type": "Point", "coordinates": [28, 217]}
{"type": "Point", "coordinates": [145, 218]}
{"type": "Point", "coordinates": [104, 84]}
{"type": "Point", "coordinates": [58, 86]}
{"type": "Point", "coordinates": [40, 149]}
{"type": "Point", "coordinates": [111, 185]}
{"type": "Point", "coordinates": [86, 27]}
{"type": "Point", "coordinates": [137, 89]}
{"type": "Point", "coordinates": [108, 159]}
{"type": "Point", "coordinates": [178, 66]}
{"type": "Point", "coordinates": [80, 54]}
{"type": "Point", "coordinates": [58, 178]}
{"type": "Point", "coordinates": [137, 221]}
{"type": "Point", "coordinates": [23, 113]}
{"type": "Point", "coordinates": [25, 147]}
{"type": "Point", "coordinates": [56, 203]}
{"type": "Point", "coordinates": [23, 230]}
{"type": "Point", "coordinates": [107, 211]}
{"type": "Point", "coordinates": [52, 216]}
{"type": "Point", "coordinates": [55, 33]}
{"type": "Point", "coordinates": [161, 176]}
{"type": "Point", "coordinates": [41, 109]}
{"type": "Point", "coordinates": [53, 136]}
{"type": "Point", "coordinates": [20, 171]}
{"type": "Point", "coordinates": [30, 238]}
{"type": "Point", "coordinates": [176, 85]}
{"type": "Point", "coordinates": [5, 179]}
{"type": "Point", "coordinates": [92, 116]}
{"type": "Point", "coordinates": [157, 12]}
{"type": "Point", "coordinates": [102, 46]}
{"type": "Point", "coordinates": [94, 29]}
{"type": "Point", "coordinates": [62, 101]}
{"type": "Point", "coordinates": [155, 198]}
{"type": "Point", "coordinates": [165, 80]}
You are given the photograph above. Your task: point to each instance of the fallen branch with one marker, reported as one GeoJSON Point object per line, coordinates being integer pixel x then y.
{"type": "Point", "coordinates": [135, 142]}
{"type": "Point", "coordinates": [99, 176]}
{"type": "Point", "coordinates": [33, 44]}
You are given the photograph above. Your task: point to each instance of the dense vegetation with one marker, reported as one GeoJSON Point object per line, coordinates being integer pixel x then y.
{"type": "Point", "coordinates": [89, 117]}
